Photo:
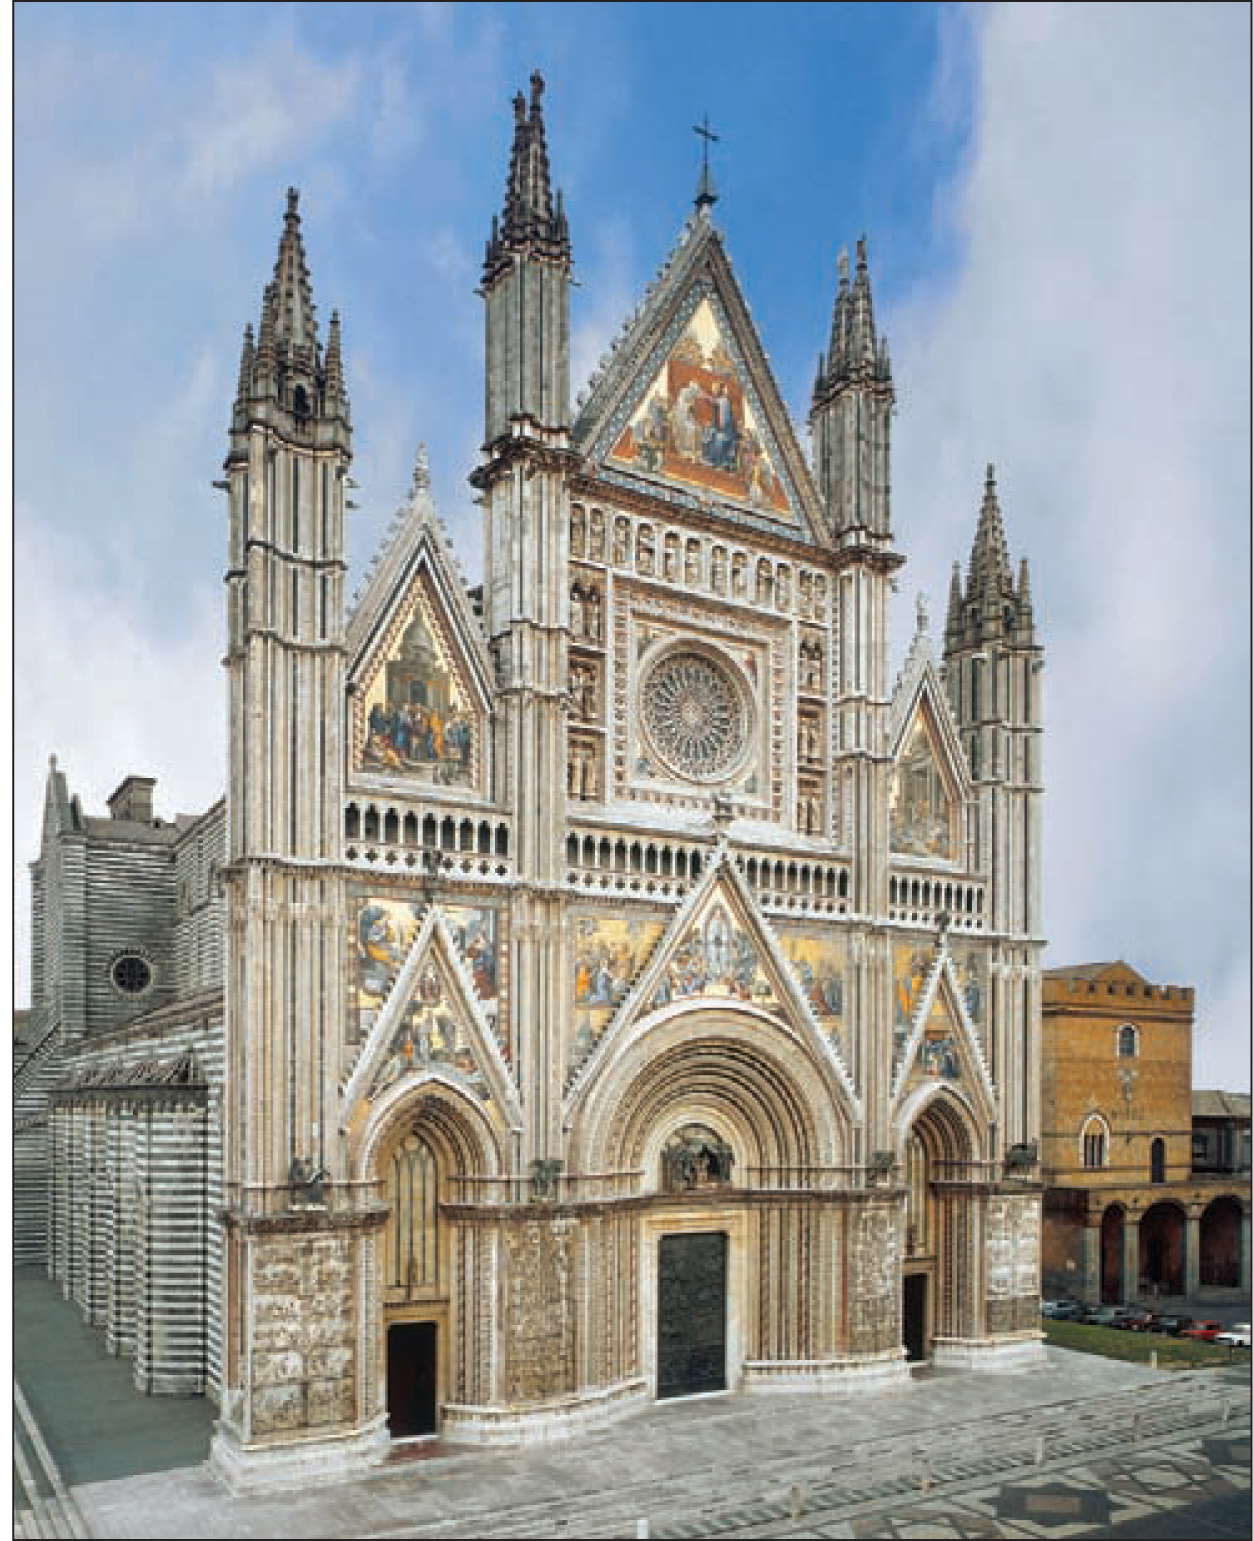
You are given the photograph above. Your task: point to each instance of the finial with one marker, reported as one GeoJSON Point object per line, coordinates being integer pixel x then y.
{"type": "Point", "coordinates": [706, 193]}
{"type": "Point", "coordinates": [842, 265]}
{"type": "Point", "coordinates": [991, 477]}
{"type": "Point", "coordinates": [293, 199]}
{"type": "Point", "coordinates": [920, 606]}
{"type": "Point", "coordinates": [519, 108]}
{"type": "Point", "coordinates": [421, 470]}
{"type": "Point", "coordinates": [862, 263]}
{"type": "Point", "coordinates": [52, 762]}
{"type": "Point", "coordinates": [537, 89]}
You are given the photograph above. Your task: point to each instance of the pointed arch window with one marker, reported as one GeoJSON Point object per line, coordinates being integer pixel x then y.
{"type": "Point", "coordinates": [412, 1260]}
{"type": "Point", "coordinates": [1095, 1142]}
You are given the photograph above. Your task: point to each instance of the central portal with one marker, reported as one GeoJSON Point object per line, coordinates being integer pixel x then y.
{"type": "Point", "coordinates": [692, 1314]}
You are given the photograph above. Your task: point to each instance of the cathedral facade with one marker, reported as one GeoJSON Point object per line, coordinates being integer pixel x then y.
{"type": "Point", "coordinates": [602, 985]}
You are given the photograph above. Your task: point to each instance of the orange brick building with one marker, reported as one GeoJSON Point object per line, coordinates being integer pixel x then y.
{"type": "Point", "coordinates": [1128, 1215]}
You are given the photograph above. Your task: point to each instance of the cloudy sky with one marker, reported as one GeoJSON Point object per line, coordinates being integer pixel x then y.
{"type": "Point", "coordinates": [1057, 204]}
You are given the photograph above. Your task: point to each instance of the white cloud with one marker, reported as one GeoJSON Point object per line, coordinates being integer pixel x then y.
{"type": "Point", "coordinates": [108, 698]}
{"type": "Point", "coordinates": [1095, 345]}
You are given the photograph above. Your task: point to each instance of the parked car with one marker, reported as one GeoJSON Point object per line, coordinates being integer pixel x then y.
{"type": "Point", "coordinates": [1203, 1332]}
{"type": "Point", "coordinates": [1237, 1336]}
{"type": "Point", "coordinates": [1110, 1316]}
{"type": "Point", "coordinates": [1143, 1321]}
{"type": "Point", "coordinates": [1061, 1310]}
{"type": "Point", "coordinates": [1173, 1325]}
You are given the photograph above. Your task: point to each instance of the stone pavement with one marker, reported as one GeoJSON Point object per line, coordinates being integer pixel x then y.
{"type": "Point", "coordinates": [1081, 1447]}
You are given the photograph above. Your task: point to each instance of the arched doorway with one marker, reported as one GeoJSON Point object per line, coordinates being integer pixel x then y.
{"type": "Point", "coordinates": [1220, 1244]}
{"type": "Point", "coordinates": [1162, 1249]}
{"type": "Point", "coordinates": [1113, 1225]}
{"type": "Point", "coordinates": [940, 1200]}
{"type": "Point", "coordinates": [430, 1144]}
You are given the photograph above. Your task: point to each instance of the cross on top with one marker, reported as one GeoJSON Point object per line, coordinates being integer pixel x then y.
{"type": "Point", "coordinates": [705, 193]}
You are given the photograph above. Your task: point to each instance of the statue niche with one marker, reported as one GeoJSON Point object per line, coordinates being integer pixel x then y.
{"type": "Point", "coordinates": [695, 1157]}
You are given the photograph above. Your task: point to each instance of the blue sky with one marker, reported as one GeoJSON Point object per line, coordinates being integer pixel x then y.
{"type": "Point", "coordinates": [1057, 205]}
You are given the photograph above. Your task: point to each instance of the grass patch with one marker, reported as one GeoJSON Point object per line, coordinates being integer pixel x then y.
{"type": "Point", "coordinates": [1136, 1347]}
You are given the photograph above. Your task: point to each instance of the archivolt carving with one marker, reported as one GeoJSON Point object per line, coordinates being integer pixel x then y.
{"type": "Point", "coordinates": [733, 1066]}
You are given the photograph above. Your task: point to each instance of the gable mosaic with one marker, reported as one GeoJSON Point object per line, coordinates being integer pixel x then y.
{"type": "Point", "coordinates": [696, 426]}
{"type": "Point", "coordinates": [418, 719]}
{"type": "Point", "coordinates": [920, 812]}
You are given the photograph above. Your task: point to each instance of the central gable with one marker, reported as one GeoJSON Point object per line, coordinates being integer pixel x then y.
{"type": "Point", "coordinates": [686, 407]}
{"type": "Point", "coordinates": [695, 425]}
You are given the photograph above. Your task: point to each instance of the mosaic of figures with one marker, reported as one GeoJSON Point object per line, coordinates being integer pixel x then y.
{"type": "Point", "coordinates": [939, 1056]}
{"type": "Point", "coordinates": [697, 563]}
{"type": "Point", "coordinates": [695, 425]}
{"type": "Point", "coordinates": [970, 964]}
{"type": "Point", "coordinates": [418, 716]}
{"type": "Point", "coordinates": [385, 932]}
{"type": "Point", "coordinates": [716, 957]}
{"type": "Point", "coordinates": [429, 1036]}
{"type": "Point", "coordinates": [609, 952]}
{"type": "Point", "coordinates": [910, 969]}
{"type": "Point", "coordinates": [921, 813]}
{"type": "Point", "coordinates": [820, 960]}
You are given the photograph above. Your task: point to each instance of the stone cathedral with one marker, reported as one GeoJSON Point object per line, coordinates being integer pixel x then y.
{"type": "Point", "coordinates": [602, 985]}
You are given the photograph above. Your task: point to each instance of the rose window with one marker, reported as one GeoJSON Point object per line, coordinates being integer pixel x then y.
{"type": "Point", "coordinates": [695, 715]}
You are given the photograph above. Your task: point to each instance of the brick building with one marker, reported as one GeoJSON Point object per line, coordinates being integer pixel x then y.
{"type": "Point", "coordinates": [1142, 1200]}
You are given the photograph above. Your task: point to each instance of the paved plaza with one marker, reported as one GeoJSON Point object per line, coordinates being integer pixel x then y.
{"type": "Point", "coordinates": [1081, 1447]}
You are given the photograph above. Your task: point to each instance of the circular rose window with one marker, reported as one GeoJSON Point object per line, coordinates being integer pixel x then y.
{"type": "Point", "coordinates": [695, 715]}
{"type": "Point", "coordinates": [131, 973]}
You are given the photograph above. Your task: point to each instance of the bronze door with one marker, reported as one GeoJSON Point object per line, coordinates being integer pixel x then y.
{"type": "Point", "coordinates": [692, 1314]}
{"type": "Point", "coordinates": [412, 1379]}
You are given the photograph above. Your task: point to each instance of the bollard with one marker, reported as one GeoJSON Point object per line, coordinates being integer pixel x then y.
{"type": "Point", "coordinates": [1135, 1428]}
{"type": "Point", "coordinates": [641, 1528]}
{"type": "Point", "coordinates": [1226, 1412]}
{"type": "Point", "coordinates": [1153, 1360]}
{"type": "Point", "coordinates": [924, 1474]}
{"type": "Point", "coordinates": [1039, 1451]}
{"type": "Point", "coordinates": [795, 1501]}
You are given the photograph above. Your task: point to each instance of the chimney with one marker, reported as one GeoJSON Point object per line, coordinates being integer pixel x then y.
{"type": "Point", "coordinates": [133, 800]}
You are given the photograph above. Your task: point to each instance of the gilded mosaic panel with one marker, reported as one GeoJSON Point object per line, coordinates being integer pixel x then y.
{"type": "Point", "coordinates": [609, 952]}
{"type": "Point", "coordinates": [417, 715]}
{"type": "Point", "coordinates": [716, 958]}
{"type": "Point", "coordinates": [696, 426]}
{"type": "Point", "coordinates": [910, 967]}
{"type": "Point", "coordinates": [939, 1056]}
{"type": "Point", "coordinates": [430, 1035]}
{"type": "Point", "coordinates": [920, 811]}
{"type": "Point", "coordinates": [820, 960]}
{"type": "Point", "coordinates": [970, 964]}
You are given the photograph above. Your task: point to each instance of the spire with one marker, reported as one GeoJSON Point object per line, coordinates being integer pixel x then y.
{"type": "Point", "coordinates": [862, 342]}
{"type": "Point", "coordinates": [953, 620]}
{"type": "Point", "coordinates": [530, 222]}
{"type": "Point", "coordinates": [335, 392]}
{"type": "Point", "coordinates": [990, 579]}
{"type": "Point", "coordinates": [246, 355]}
{"type": "Point", "coordinates": [1024, 593]}
{"type": "Point", "coordinates": [295, 312]}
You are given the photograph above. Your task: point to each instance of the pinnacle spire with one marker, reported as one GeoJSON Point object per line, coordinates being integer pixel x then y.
{"type": "Point", "coordinates": [855, 351]}
{"type": "Point", "coordinates": [295, 313]}
{"type": "Point", "coordinates": [530, 222]}
{"type": "Point", "coordinates": [953, 620]}
{"type": "Point", "coordinates": [990, 577]}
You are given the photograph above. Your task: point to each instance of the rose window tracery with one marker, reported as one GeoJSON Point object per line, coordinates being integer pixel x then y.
{"type": "Point", "coordinates": [695, 715]}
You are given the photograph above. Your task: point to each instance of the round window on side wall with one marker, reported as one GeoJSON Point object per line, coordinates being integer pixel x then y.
{"type": "Point", "coordinates": [131, 973]}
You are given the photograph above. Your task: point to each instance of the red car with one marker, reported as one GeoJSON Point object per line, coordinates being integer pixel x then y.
{"type": "Point", "coordinates": [1206, 1331]}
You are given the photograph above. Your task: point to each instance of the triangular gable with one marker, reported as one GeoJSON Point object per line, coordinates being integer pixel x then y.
{"type": "Point", "coordinates": [942, 1046]}
{"type": "Point", "coordinates": [930, 781]}
{"type": "Point", "coordinates": [432, 1023]}
{"type": "Point", "coordinates": [718, 949]}
{"type": "Point", "coordinates": [687, 406]}
{"type": "Point", "coordinates": [418, 667]}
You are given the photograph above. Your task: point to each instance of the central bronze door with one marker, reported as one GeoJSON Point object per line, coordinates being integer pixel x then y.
{"type": "Point", "coordinates": [692, 1314]}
